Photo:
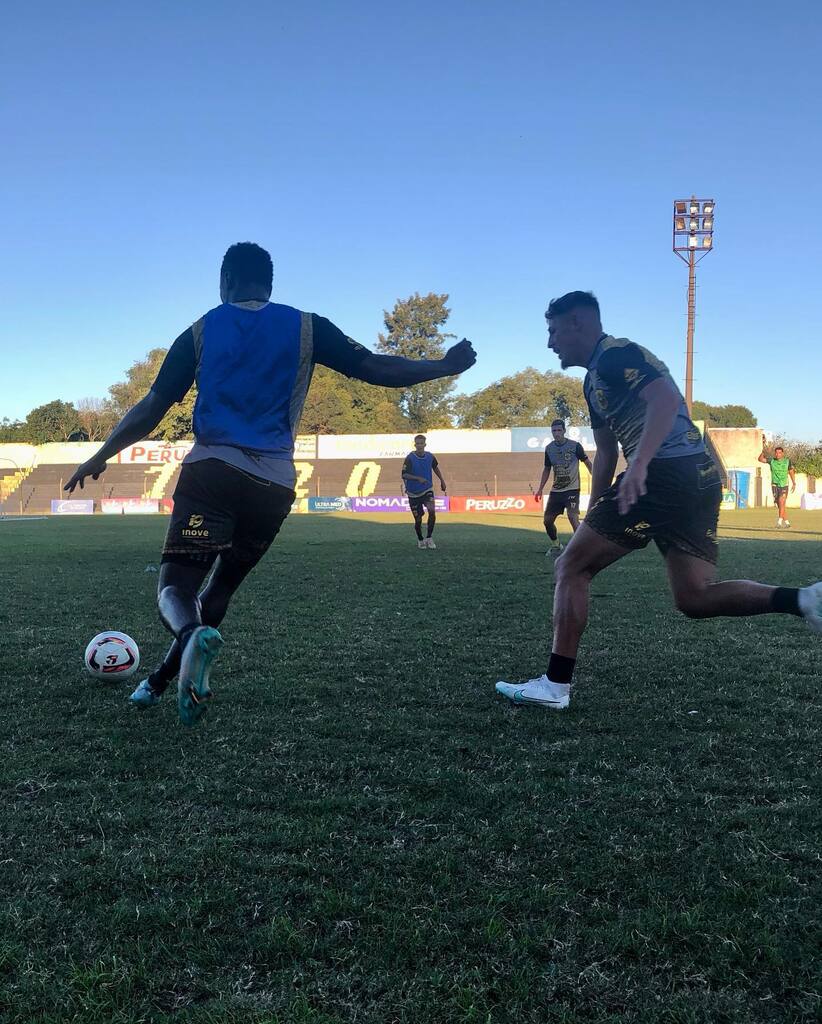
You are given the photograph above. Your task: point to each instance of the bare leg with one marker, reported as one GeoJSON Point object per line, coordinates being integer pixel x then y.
{"type": "Point", "coordinates": [418, 524]}
{"type": "Point", "coordinates": [573, 519]}
{"type": "Point", "coordinates": [549, 520]}
{"type": "Point", "coordinates": [587, 554]}
{"type": "Point", "coordinates": [699, 597]}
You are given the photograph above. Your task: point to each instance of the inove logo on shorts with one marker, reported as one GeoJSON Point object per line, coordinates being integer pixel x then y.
{"type": "Point", "coordinates": [194, 528]}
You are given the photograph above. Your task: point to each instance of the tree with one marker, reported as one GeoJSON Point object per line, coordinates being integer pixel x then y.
{"type": "Point", "coordinates": [805, 457]}
{"type": "Point", "coordinates": [176, 425]}
{"type": "Point", "coordinates": [530, 398]}
{"type": "Point", "coordinates": [97, 418]}
{"type": "Point", "coordinates": [55, 421]}
{"type": "Point", "coordinates": [339, 405]}
{"type": "Point", "coordinates": [13, 430]}
{"type": "Point", "coordinates": [723, 415]}
{"type": "Point", "coordinates": [413, 331]}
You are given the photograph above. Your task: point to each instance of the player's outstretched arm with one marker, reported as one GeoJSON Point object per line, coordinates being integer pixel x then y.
{"type": "Point", "coordinates": [134, 426]}
{"type": "Point", "coordinates": [397, 372]}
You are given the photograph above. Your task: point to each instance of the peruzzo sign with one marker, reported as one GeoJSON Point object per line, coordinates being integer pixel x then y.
{"type": "Point", "coordinates": [510, 503]}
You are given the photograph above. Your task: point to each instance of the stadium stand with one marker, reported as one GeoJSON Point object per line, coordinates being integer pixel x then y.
{"type": "Point", "coordinates": [45, 483]}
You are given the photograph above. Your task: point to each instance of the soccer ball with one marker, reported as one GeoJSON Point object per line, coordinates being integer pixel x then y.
{"type": "Point", "coordinates": [111, 656]}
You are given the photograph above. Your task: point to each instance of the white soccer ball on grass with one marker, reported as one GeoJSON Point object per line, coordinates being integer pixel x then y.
{"type": "Point", "coordinates": [112, 656]}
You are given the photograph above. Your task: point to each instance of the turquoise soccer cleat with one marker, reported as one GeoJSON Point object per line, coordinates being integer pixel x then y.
{"type": "Point", "coordinates": [193, 691]}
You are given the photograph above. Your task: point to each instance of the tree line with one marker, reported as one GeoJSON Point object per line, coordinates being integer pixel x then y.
{"type": "Point", "coordinates": [414, 328]}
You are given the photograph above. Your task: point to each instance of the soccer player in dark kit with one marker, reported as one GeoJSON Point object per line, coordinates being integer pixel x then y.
{"type": "Point", "coordinates": [252, 360]}
{"type": "Point", "coordinates": [562, 458]}
{"type": "Point", "coordinates": [669, 494]}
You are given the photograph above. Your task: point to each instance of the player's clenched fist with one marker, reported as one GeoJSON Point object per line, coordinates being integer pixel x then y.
{"type": "Point", "coordinates": [459, 357]}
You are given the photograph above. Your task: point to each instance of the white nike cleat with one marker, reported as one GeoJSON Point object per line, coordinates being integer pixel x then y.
{"type": "Point", "coordinates": [429, 543]}
{"type": "Point", "coordinates": [786, 523]}
{"type": "Point", "coordinates": [554, 552]}
{"type": "Point", "coordinates": [778, 524]}
{"type": "Point", "coordinates": [810, 604]}
{"type": "Point", "coordinates": [421, 544]}
{"type": "Point", "coordinates": [537, 691]}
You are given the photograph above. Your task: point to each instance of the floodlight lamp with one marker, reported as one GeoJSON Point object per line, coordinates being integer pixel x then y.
{"type": "Point", "coordinates": [679, 208]}
{"type": "Point", "coordinates": [707, 241]}
{"type": "Point", "coordinates": [693, 208]}
{"type": "Point", "coordinates": [693, 241]}
{"type": "Point", "coordinates": [679, 223]}
{"type": "Point", "coordinates": [708, 207]}
{"type": "Point", "coordinates": [707, 223]}
{"type": "Point", "coordinates": [693, 224]}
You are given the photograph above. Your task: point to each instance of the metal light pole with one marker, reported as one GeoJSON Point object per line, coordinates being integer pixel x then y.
{"type": "Point", "coordinates": [693, 239]}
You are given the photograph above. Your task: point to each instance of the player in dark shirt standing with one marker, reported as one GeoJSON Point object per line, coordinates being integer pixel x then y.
{"type": "Point", "coordinates": [670, 493]}
{"type": "Point", "coordinates": [562, 458]}
{"type": "Point", "coordinates": [417, 476]}
{"type": "Point", "coordinates": [252, 360]}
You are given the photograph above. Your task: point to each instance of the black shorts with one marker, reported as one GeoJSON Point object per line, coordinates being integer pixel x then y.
{"type": "Point", "coordinates": [220, 508]}
{"type": "Point", "coordinates": [779, 492]}
{"type": "Point", "coordinates": [419, 501]}
{"type": "Point", "coordinates": [559, 501]}
{"type": "Point", "coordinates": [680, 509]}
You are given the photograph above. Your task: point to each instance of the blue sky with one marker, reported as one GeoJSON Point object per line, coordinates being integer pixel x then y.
{"type": "Point", "coordinates": [502, 153]}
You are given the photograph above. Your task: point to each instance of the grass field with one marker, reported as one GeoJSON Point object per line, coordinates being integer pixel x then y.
{"type": "Point", "coordinates": [362, 832]}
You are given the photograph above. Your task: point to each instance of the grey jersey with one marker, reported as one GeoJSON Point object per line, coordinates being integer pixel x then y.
{"type": "Point", "coordinates": [617, 373]}
{"type": "Point", "coordinates": [564, 460]}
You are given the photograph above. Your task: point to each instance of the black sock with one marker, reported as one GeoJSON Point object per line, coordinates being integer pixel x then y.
{"type": "Point", "coordinates": [158, 680]}
{"type": "Point", "coordinates": [185, 633]}
{"type": "Point", "coordinates": [560, 668]}
{"type": "Point", "coordinates": [418, 528]}
{"type": "Point", "coordinates": [786, 599]}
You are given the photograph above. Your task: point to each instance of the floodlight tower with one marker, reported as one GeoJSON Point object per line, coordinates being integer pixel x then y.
{"type": "Point", "coordinates": [693, 240]}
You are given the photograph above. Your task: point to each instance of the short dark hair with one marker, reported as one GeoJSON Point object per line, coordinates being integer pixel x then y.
{"type": "Point", "coordinates": [419, 435]}
{"type": "Point", "coordinates": [558, 423]}
{"type": "Point", "coordinates": [570, 301]}
{"type": "Point", "coordinates": [249, 263]}
{"type": "Point", "coordinates": [778, 448]}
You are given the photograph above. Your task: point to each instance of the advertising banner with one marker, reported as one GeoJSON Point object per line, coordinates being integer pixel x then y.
{"type": "Point", "coordinates": [534, 439]}
{"type": "Point", "coordinates": [129, 506]}
{"type": "Point", "coordinates": [161, 453]}
{"type": "Point", "coordinates": [397, 446]}
{"type": "Point", "coordinates": [305, 446]}
{"type": "Point", "coordinates": [329, 504]}
{"type": "Point", "coordinates": [155, 453]}
{"type": "Point", "coordinates": [517, 503]}
{"type": "Point", "coordinates": [394, 503]}
{"type": "Point", "coordinates": [72, 507]}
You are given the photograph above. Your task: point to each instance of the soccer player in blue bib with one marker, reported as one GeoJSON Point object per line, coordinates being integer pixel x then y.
{"type": "Point", "coordinates": [417, 476]}
{"type": "Point", "coordinates": [669, 494]}
{"type": "Point", "coordinates": [252, 360]}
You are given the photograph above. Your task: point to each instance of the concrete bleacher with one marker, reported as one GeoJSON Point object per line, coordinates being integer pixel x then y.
{"type": "Point", "coordinates": [45, 484]}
